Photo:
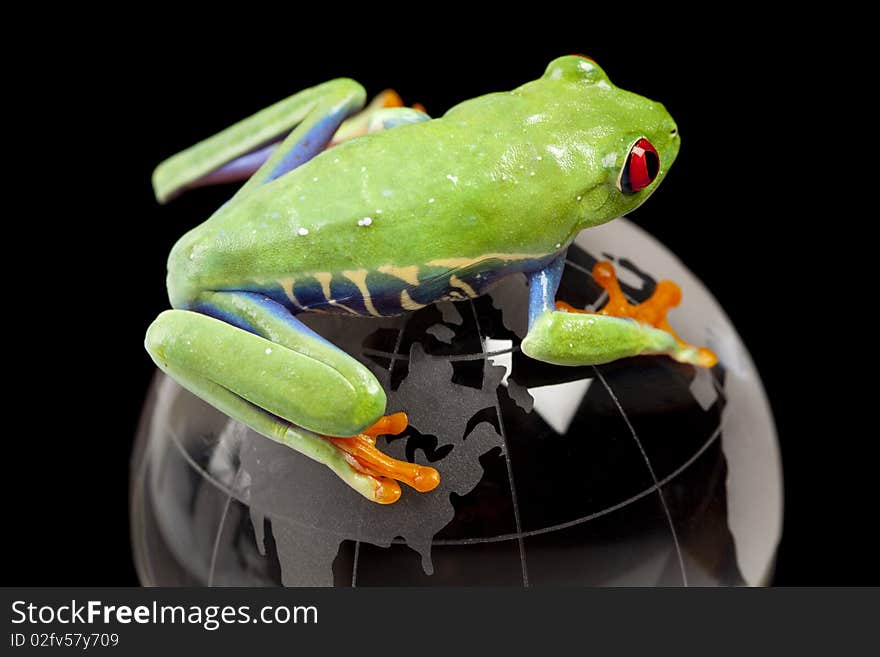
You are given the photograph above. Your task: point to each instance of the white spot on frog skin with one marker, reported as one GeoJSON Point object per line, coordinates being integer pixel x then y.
{"type": "Point", "coordinates": [378, 211]}
{"type": "Point", "coordinates": [387, 192]}
{"type": "Point", "coordinates": [580, 197]}
{"type": "Point", "coordinates": [532, 173]}
{"type": "Point", "coordinates": [454, 179]}
{"type": "Point", "coordinates": [540, 158]}
{"type": "Point", "coordinates": [430, 200]}
{"type": "Point", "coordinates": [336, 160]}
{"type": "Point", "coordinates": [609, 160]}
{"type": "Point", "coordinates": [268, 350]}
{"type": "Point", "coordinates": [535, 118]}
{"type": "Point", "coordinates": [366, 221]}
{"type": "Point", "coordinates": [559, 245]}
{"type": "Point", "coordinates": [603, 84]}
{"type": "Point", "coordinates": [303, 231]}
{"type": "Point", "coordinates": [363, 169]}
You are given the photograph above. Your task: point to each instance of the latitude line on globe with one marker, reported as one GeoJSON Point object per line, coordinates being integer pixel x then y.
{"type": "Point", "coordinates": [489, 539]}
{"type": "Point", "coordinates": [452, 358]}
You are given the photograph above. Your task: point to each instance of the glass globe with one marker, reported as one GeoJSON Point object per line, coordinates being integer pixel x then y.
{"type": "Point", "coordinates": [640, 472]}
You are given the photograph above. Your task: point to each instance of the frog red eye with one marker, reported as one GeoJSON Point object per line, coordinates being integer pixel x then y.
{"type": "Point", "coordinates": [641, 167]}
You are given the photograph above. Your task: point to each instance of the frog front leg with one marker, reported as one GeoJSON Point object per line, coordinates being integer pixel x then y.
{"type": "Point", "coordinates": [250, 358]}
{"type": "Point", "coordinates": [564, 335]}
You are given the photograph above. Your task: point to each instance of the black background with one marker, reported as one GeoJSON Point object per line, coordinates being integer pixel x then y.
{"type": "Point", "coordinates": [101, 111]}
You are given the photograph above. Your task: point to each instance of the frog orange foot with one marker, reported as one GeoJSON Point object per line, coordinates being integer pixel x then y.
{"type": "Point", "coordinates": [652, 311]}
{"type": "Point", "coordinates": [362, 123]}
{"type": "Point", "coordinates": [363, 455]}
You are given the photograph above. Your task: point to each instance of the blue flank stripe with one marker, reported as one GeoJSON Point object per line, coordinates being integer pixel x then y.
{"type": "Point", "coordinates": [311, 143]}
{"type": "Point", "coordinates": [271, 307]}
{"type": "Point", "coordinates": [212, 311]}
{"type": "Point", "coordinates": [385, 289]}
{"type": "Point", "coordinates": [347, 293]}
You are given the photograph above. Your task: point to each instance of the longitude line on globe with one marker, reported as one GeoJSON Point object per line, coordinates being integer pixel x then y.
{"type": "Point", "coordinates": [507, 460]}
{"type": "Point", "coordinates": [393, 360]}
{"type": "Point", "coordinates": [216, 548]}
{"type": "Point", "coordinates": [651, 470]}
{"type": "Point", "coordinates": [592, 516]}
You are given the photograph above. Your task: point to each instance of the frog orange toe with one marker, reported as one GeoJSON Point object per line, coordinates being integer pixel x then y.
{"type": "Point", "coordinates": [652, 311]}
{"type": "Point", "coordinates": [387, 425]}
{"type": "Point", "coordinates": [363, 455]}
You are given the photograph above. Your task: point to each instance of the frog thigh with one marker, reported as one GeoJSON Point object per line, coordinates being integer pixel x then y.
{"type": "Point", "coordinates": [250, 358]}
{"type": "Point", "coordinates": [256, 349]}
{"type": "Point", "coordinates": [175, 340]}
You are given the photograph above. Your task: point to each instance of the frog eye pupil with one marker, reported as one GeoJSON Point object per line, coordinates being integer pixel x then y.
{"type": "Point", "coordinates": [641, 167]}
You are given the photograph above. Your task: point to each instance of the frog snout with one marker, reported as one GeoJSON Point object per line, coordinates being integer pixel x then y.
{"type": "Point", "coordinates": [183, 268]}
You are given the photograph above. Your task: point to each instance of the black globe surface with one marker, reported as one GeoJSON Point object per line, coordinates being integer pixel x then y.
{"type": "Point", "coordinates": [640, 472]}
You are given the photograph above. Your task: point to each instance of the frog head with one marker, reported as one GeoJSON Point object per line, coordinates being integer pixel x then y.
{"type": "Point", "coordinates": [625, 142]}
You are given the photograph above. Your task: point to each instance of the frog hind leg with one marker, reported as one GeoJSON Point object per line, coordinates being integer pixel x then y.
{"type": "Point", "coordinates": [385, 111]}
{"type": "Point", "coordinates": [564, 335]}
{"type": "Point", "coordinates": [287, 383]}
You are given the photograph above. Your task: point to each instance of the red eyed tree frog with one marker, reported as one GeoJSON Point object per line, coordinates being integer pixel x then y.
{"type": "Point", "coordinates": [402, 211]}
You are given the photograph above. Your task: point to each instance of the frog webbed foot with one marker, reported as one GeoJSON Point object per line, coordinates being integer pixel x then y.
{"type": "Point", "coordinates": [364, 457]}
{"type": "Point", "coordinates": [562, 334]}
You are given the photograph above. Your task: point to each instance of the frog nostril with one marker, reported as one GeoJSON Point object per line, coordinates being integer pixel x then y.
{"type": "Point", "coordinates": [673, 132]}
